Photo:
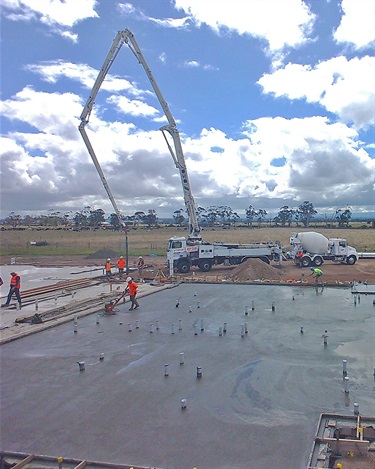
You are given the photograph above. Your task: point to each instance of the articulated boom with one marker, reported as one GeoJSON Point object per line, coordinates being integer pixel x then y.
{"type": "Point", "coordinates": [127, 37]}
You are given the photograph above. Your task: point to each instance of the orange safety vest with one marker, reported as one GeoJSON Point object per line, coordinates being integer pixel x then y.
{"type": "Point", "coordinates": [108, 266]}
{"type": "Point", "coordinates": [15, 281]}
{"type": "Point", "coordinates": [121, 263]}
{"type": "Point", "coordinates": [133, 287]}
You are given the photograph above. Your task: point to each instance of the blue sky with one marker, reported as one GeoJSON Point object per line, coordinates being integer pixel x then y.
{"type": "Point", "coordinates": [274, 101]}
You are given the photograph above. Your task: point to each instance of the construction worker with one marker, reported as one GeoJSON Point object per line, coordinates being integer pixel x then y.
{"type": "Point", "coordinates": [121, 266]}
{"type": "Point", "coordinates": [14, 287]}
{"type": "Point", "coordinates": [317, 273]}
{"type": "Point", "coordinates": [133, 290]}
{"type": "Point", "coordinates": [108, 269]}
{"type": "Point", "coordinates": [140, 265]}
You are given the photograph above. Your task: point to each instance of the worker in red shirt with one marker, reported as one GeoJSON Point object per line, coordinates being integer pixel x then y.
{"type": "Point", "coordinates": [121, 266]}
{"type": "Point", "coordinates": [14, 287]}
{"type": "Point", "coordinates": [132, 288]}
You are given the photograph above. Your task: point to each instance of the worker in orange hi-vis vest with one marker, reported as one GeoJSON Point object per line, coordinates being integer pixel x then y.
{"type": "Point", "coordinates": [132, 289]}
{"type": "Point", "coordinates": [14, 288]}
{"type": "Point", "coordinates": [108, 269]}
{"type": "Point", "coordinates": [121, 263]}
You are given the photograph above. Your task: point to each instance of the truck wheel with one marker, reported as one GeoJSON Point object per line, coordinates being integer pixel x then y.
{"type": "Point", "coordinates": [183, 267]}
{"type": "Point", "coordinates": [318, 261]}
{"type": "Point", "coordinates": [305, 261]}
{"type": "Point", "coordinates": [265, 259]}
{"type": "Point", "coordinates": [351, 260]}
{"type": "Point", "coordinates": [205, 266]}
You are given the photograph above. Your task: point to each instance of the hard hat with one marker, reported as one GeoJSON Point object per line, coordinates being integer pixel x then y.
{"type": "Point", "coordinates": [129, 279]}
{"type": "Point", "coordinates": [108, 259]}
{"type": "Point", "coordinates": [312, 268]}
{"type": "Point", "coordinates": [140, 257]}
{"type": "Point", "coordinates": [121, 257]}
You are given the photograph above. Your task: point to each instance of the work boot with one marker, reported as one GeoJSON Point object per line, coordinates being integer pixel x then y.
{"type": "Point", "coordinates": [5, 305]}
{"type": "Point", "coordinates": [136, 307]}
{"type": "Point", "coordinates": [131, 309]}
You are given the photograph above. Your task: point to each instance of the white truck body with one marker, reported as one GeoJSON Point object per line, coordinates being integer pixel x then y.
{"type": "Point", "coordinates": [316, 248]}
{"type": "Point", "coordinates": [182, 255]}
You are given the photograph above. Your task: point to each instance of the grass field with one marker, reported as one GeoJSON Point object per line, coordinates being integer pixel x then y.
{"type": "Point", "coordinates": [145, 242]}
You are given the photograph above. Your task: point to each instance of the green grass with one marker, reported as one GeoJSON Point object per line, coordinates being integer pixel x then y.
{"type": "Point", "coordinates": [145, 242]}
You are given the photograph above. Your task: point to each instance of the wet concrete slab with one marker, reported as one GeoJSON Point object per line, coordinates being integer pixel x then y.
{"type": "Point", "coordinates": [256, 405]}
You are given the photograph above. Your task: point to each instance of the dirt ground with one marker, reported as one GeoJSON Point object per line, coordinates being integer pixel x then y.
{"type": "Point", "coordinates": [250, 271]}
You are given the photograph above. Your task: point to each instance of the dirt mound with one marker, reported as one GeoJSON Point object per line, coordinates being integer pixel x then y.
{"type": "Point", "coordinates": [103, 254]}
{"type": "Point", "coordinates": [254, 269]}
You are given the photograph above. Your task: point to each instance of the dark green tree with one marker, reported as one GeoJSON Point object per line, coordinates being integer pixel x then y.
{"type": "Point", "coordinates": [305, 213]}
{"type": "Point", "coordinates": [178, 216]}
{"type": "Point", "coordinates": [285, 216]}
{"type": "Point", "coordinates": [343, 217]}
{"type": "Point", "coordinates": [96, 217]}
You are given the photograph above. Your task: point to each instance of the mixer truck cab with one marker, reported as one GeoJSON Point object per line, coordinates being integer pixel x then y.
{"type": "Point", "coordinates": [316, 248]}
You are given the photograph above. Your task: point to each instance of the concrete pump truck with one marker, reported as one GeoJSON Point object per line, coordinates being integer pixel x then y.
{"type": "Point", "coordinates": [182, 252]}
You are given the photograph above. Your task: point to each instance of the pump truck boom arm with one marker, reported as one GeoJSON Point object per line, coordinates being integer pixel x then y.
{"type": "Point", "coordinates": [127, 37]}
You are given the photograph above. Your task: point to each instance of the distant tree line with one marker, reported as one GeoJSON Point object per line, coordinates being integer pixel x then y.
{"type": "Point", "coordinates": [89, 218]}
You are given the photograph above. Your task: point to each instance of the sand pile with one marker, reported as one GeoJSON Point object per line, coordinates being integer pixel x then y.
{"type": "Point", "coordinates": [254, 269]}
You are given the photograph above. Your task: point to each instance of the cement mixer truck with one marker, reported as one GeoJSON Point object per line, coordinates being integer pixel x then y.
{"type": "Point", "coordinates": [312, 249]}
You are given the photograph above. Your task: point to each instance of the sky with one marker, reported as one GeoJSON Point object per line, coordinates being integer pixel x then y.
{"type": "Point", "coordinates": [273, 99]}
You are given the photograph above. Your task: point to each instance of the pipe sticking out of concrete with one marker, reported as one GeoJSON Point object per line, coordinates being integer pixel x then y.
{"type": "Point", "coordinates": [199, 372]}
{"type": "Point", "coordinates": [172, 329]}
{"type": "Point", "coordinates": [75, 328]}
{"type": "Point", "coordinates": [180, 324]}
{"type": "Point", "coordinates": [301, 330]}
{"type": "Point", "coordinates": [101, 358]}
{"type": "Point", "coordinates": [157, 325]}
{"type": "Point", "coordinates": [252, 305]}
{"type": "Point", "coordinates": [166, 370]}
{"type": "Point", "coordinates": [246, 329]}
{"type": "Point", "coordinates": [225, 328]}
{"type": "Point", "coordinates": [195, 329]}
{"type": "Point", "coordinates": [183, 404]}
{"type": "Point", "coordinates": [346, 384]}
{"type": "Point", "coordinates": [246, 311]}
{"type": "Point", "coordinates": [202, 326]}
{"type": "Point", "coordinates": [130, 327]}
{"type": "Point", "coordinates": [81, 366]}
{"type": "Point", "coordinates": [98, 319]}
{"type": "Point", "coordinates": [182, 358]}
{"type": "Point", "coordinates": [344, 370]}
{"type": "Point", "coordinates": [356, 408]}
{"type": "Point", "coordinates": [137, 324]}
{"type": "Point", "coordinates": [151, 327]}
{"type": "Point", "coordinates": [273, 306]}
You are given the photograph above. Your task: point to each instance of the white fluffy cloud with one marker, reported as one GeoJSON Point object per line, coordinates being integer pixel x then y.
{"type": "Point", "coordinates": [342, 86]}
{"type": "Point", "coordinates": [58, 16]}
{"type": "Point", "coordinates": [357, 23]}
{"type": "Point", "coordinates": [281, 24]}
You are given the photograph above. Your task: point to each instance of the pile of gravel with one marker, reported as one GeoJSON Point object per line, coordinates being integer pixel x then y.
{"type": "Point", "coordinates": [254, 269]}
{"type": "Point", "coordinates": [103, 254]}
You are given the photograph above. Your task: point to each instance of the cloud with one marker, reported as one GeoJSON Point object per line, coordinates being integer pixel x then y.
{"type": "Point", "coordinates": [58, 16]}
{"type": "Point", "coordinates": [342, 86]}
{"type": "Point", "coordinates": [128, 9]}
{"type": "Point", "coordinates": [357, 24]}
{"type": "Point", "coordinates": [52, 71]}
{"type": "Point", "coordinates": [281, 24]}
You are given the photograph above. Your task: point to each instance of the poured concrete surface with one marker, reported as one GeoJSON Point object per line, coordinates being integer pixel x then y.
{"type": "Point", "coordinates": [256, 406]}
